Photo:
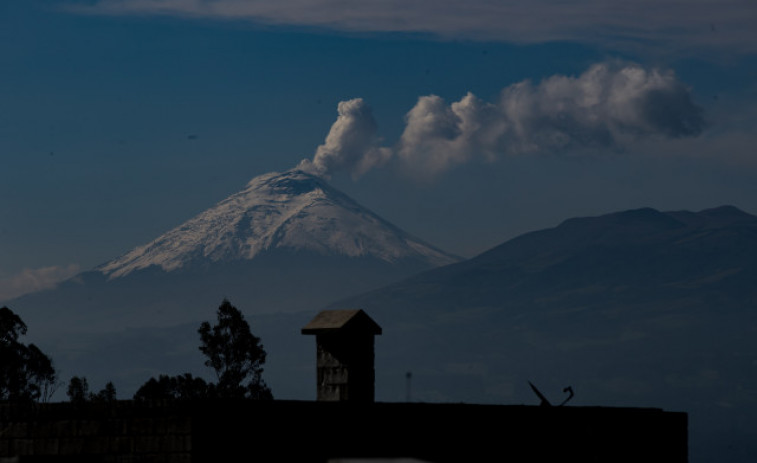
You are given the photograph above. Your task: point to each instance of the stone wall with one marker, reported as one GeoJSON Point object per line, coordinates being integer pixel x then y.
{"type": "Point", "coordinates": [276, 431]}
{"type": "Point", "coordinates": [121, 432]}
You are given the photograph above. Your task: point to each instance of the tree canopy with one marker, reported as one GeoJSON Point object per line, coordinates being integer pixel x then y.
{"type": "Point", "coordinates": [235, 354]}
{"type": "Point", "coordinates": [78, 391]}
{"type": "Point", "coordinates": [26, 373]}
{"type": "Point", "coordinates": [179, 387]}
{"type": "Point", "coordinates": [232, 351]}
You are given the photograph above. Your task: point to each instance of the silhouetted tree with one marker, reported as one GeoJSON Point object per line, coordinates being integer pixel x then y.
{"type": "Point", "coordinates": [106, 394]}
{"type": "Point", "coordinates": [235, 354]}
{"type": "Point", "coordinates": [78, 390]}
{"type": "Point", "coordinates": [26, 373]}
{"type": "Point", "coordinates": [180, 387]}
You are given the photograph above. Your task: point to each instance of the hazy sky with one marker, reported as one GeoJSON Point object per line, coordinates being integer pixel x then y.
{"type": "Point", "coordinates": [465, 123]}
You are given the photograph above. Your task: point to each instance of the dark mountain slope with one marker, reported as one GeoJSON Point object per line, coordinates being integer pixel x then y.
{"type": "Point", "coordinates": [637, 308]}
{"type": "Point", "coordinates": [635, 255]}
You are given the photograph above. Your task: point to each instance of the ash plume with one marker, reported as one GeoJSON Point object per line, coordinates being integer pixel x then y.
{"type": "Point", "coordinates": [351, 144]}
{"type": "Point", "coordinates": [607, 107]}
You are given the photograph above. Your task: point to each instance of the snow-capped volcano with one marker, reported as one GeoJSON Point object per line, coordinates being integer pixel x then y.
{"type": "Point", "coordinates": [293, 210]}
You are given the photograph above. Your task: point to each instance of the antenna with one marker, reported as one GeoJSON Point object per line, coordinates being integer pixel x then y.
{"type": "Point", "coordinates": [570, 391]}
{"type": "Point", "coordinates": [408, 380]}
{"type": "Point", "coordinates": [544, 401]}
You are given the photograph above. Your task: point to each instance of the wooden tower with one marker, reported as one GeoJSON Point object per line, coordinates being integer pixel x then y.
{"type": "Point", "coordinates": [345, 354]}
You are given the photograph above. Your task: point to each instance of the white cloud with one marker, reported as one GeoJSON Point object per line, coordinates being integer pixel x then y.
{"type": "Point", "coordinates": [607, 106]}
{"type": "Point", "coordinates": [351, 145]}
{"type": "Point", "coordinates": [31, 280]}
{"type": "Point", "coordinates": [714, 24]}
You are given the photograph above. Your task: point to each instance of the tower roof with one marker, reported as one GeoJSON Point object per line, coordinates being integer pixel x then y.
{"type": "Point", "coordinates": [331, 321]}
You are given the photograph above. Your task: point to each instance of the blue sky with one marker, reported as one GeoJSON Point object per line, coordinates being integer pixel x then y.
{"type": "Point", "coordinates": [123, 118]}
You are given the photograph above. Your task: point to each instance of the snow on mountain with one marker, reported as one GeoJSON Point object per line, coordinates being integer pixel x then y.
{"type": "Point", "coordinates": [293, 210]}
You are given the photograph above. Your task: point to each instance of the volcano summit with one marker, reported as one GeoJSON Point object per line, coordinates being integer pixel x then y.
{"type": "Point", "coordinates": [292, 211]}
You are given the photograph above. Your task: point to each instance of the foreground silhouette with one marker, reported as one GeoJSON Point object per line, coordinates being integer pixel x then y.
{"type": "Point", "coordinates": [26, 373]}
{"type": "Point", "coordinates": [235, 355]}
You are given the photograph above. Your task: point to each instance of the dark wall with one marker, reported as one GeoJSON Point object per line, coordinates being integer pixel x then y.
{"type": "Point", "coordinates": [95, 432]}
{"type": "Point", "coordinates": [317, 431]}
